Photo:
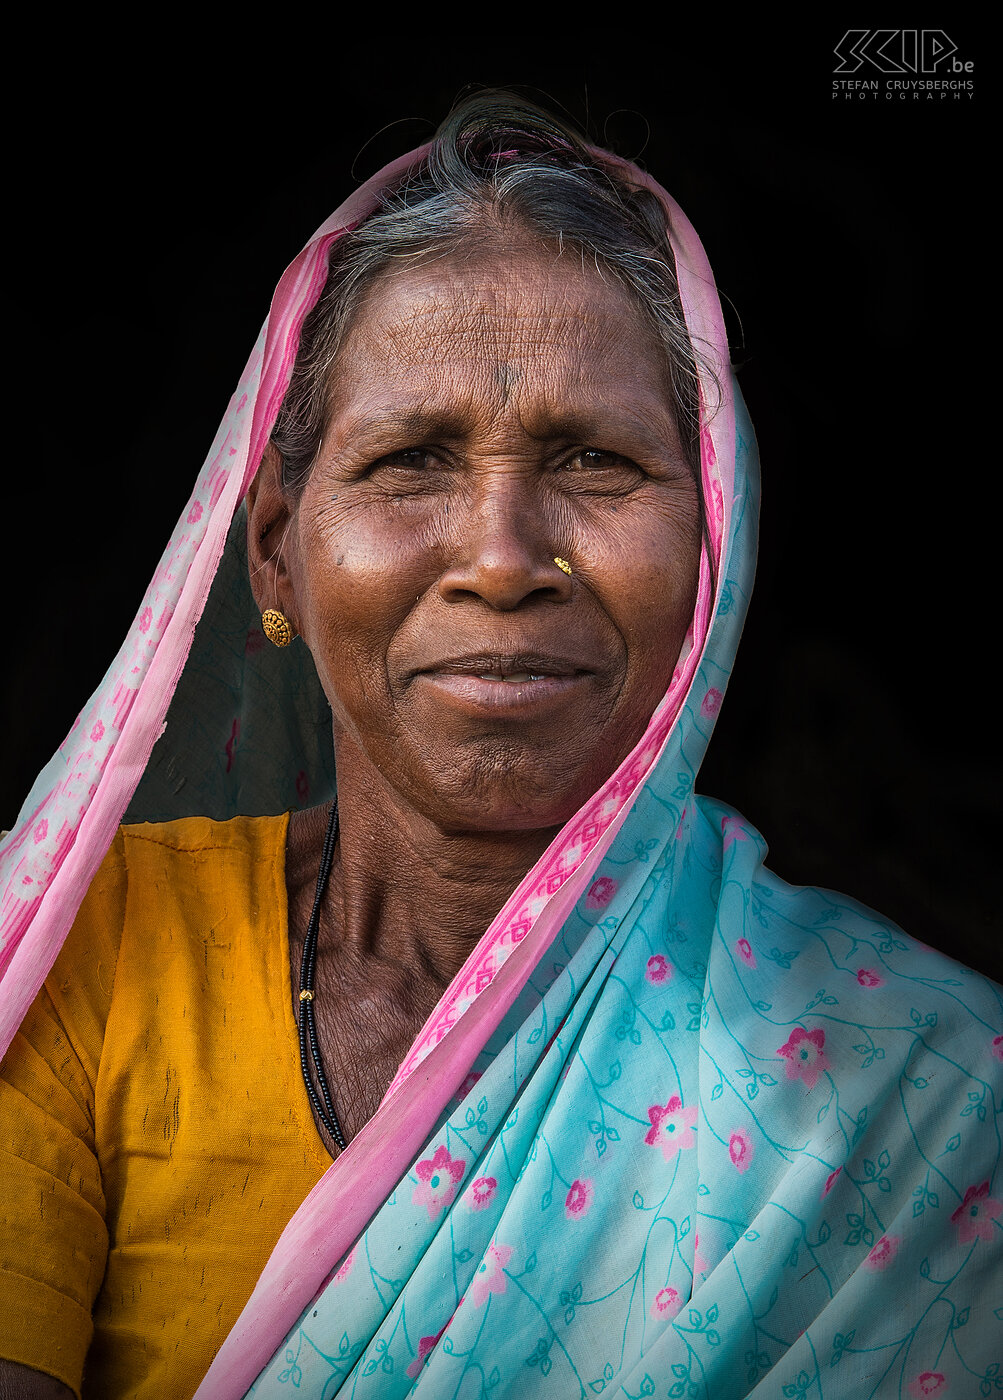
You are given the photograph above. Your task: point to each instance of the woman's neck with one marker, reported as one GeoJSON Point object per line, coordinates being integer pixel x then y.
{"type": "Point", "coordinates": [402, 891]}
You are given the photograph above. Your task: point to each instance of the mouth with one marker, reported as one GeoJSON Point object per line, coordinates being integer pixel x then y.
{"type": "Point", "coordinates": [516, 669]}
{"type": "Point", "coordinates": [487, 683]}
{"type": "Point", "coordinates": [518, 678]}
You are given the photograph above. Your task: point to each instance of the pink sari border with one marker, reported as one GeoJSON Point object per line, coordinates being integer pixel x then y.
{"type": "Point", "coordinates": [340, 1206]}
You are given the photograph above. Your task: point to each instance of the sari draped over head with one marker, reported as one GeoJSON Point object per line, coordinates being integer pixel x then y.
{"type": "Point", "coordinates": [676, 1128]}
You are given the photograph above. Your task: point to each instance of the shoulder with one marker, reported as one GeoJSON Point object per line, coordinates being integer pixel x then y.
{"type": "Point", "coordinates": [791, 952]}
{"type": "Point", "coordinates": [828, 954]}
{"type": "Point", "coordinates": [185, 879]}
{"type": "Point", "coordinates": [200, 853]}
{"type": "Point", "coordinates": [881, 1047]}
{"type": "Point", "coordinates": [251, 836]}
{"type": "Point", "coordinates": [155, 870]}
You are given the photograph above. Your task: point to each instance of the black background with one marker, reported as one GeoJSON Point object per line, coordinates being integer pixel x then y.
{"type": "Point", "coordinates": [160, 193]}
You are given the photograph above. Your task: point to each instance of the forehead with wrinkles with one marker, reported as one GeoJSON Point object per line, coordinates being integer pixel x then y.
{"type": "Point", "coordinates": [526, 324]}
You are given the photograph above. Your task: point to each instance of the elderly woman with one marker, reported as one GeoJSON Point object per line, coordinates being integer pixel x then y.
{"type": "Point", "coordinates": [509, 1069]}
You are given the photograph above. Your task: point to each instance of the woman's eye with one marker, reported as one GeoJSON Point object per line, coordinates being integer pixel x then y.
{"type": "Point", "coordinates": [410, 458]}
{"type": "Point", "coordinates": [595, 459]}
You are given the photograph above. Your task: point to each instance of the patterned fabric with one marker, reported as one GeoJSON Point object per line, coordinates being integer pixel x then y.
{"type": "Point", "coordinates": [741, 1142]}
{"type": "Point", "coordinates": [676, 1128]}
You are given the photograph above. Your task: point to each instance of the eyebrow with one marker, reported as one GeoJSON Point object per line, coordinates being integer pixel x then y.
{"type": "Point", "coordinates": [575, 425]}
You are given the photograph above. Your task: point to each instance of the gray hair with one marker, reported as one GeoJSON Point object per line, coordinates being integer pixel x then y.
{"type": "Point", "coordinates": [496, 159]}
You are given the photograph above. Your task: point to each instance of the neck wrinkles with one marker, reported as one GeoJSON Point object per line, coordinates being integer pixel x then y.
{"type": "Point", "coordinates": [403, 891]}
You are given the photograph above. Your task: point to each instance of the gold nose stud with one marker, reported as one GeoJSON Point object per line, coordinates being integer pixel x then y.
{"type": "Point", "coordinates": [562, 564]}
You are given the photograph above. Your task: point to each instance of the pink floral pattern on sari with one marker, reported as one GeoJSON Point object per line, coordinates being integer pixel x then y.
{"type": "Point", "coordinates": [666, 1303]}
{"type": "Point", "coordinates": [426, 1345]}
{"type": "Point", "coordinates": [659, 969]}
{"type": "Point", "coordinates": [600, 893]}
{"type": "Point", "coordinates": [490, 1276]}
{"type": "Point", "coordinates": [830, 1181]}
{"type": "Point", "coordinates": [740, 1150]}
{"type": "Point", "coordinates": [928, 1383]}
{"type": "Point", "coordinates": [974, 1217]}
{"type": "Point", "coordinates": [804, 1052]}
{"type": "Point", "coordinates": [711, 702]}
{"type": "Point", "coordinates": [438, 1177]}
{"type": "Point", "coordinates": [671, 1127]}
{"type": "Point", "coordinates": [578, 1200]}
{"type": "Point", "coordinates": [883, 1252]}
{"type": "Point", "coordinates": [481, 1192]}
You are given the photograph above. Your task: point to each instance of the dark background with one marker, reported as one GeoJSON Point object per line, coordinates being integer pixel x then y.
{"type": "Point", "coordinates": [160, 196]}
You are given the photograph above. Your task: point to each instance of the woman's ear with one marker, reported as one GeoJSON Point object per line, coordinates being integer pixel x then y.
{"type": "Point", "coordinates": [269, 517]}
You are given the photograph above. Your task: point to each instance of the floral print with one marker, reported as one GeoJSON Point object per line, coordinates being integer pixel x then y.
{"type": "Point", "coordinates": [426, 1345]}
{"type": "Point", "coordinates": [667, 1303]}
{"type": "Point", "coordinates": [600, 893]}
{"type": "Point", "coordinates": [659, 969]}
{"type": "Point", "coordinates": [481, 1192]}
{"type": "Point", "coordinates": [578, 1199]}
{"type": "Point", "coordinates": [883, 1252]}
{"type": "Point", "coordinates": [490, 1277]}
{"type": "Point", "coordinates": [740, 1150]}
{"type": "Point", "coordinates": [830, 1181]}
{"type": "Point", "coordinates": [805, 1055]}
{"type": "Point", "coordinates": [786, 1227]}
{"type": "Point", "coordinates": [671, 1127]}
{"type": "Point", "coordinates": [928, 1383]}
{"type": "Point", "coordinates": [745, 952]}
{"type": "Point", "coordinates": [438, 1177]}
{"type": "Point", "coordinates": [974, 1217]}
{"type": "Point", "coordinates": [711, 703]}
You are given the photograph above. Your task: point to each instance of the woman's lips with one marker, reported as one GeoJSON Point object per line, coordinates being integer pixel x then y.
{"type": "Point", "coordinates": [494, 694]}
{"type": "Point", "coordinates": [491, 684]}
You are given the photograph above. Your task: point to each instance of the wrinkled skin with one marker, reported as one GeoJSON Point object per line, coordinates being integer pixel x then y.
{"type": "Point", "coordinates": [487, 412]}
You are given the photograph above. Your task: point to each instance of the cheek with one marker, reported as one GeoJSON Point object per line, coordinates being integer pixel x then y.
{"type": "Point", "coordinates": [645, 572]}
{"type": "Point", "coordinates": [360, 569]}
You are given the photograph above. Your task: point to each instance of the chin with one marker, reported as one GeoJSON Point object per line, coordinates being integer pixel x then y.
{"type": "Point", "coordinates": [503, 788]}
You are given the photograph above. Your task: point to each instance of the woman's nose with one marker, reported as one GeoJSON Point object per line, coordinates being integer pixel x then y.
{"type": "Point", "coordinates": [503, 551]}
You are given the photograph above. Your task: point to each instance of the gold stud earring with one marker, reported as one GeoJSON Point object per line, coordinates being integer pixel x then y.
{"type": "Point", "coordinates": [563, 565]}
{"type": "Point", "coordinates": [276, 628]}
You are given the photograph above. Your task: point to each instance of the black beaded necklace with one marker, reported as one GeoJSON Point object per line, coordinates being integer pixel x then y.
{"type": "Point", "coordinates": [308, 966]}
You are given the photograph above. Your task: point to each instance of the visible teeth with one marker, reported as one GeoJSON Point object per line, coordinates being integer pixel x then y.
{"type": "Point", "coordinates": [516, 678]}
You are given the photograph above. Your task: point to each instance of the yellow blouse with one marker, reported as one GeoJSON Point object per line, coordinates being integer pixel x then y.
{"type": "Point", "coordinates": [155, 1132]}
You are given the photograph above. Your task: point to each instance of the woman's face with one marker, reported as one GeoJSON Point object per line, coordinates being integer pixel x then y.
{"type": "Point", "coordinates": [488, 413]}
